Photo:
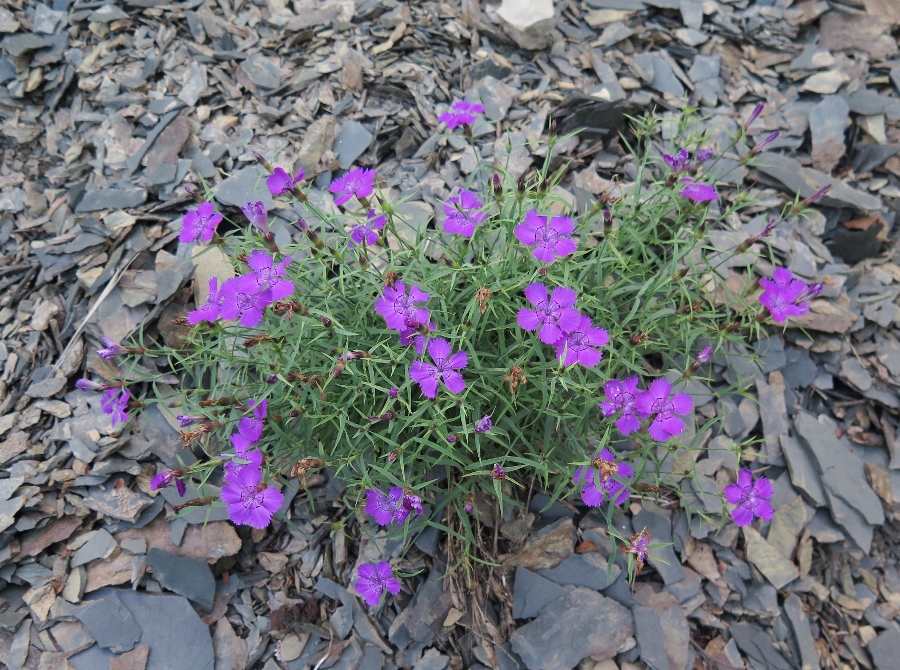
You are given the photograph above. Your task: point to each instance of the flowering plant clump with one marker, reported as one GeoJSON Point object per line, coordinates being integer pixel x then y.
{"type": "Point", "coordinates": [517, 343]}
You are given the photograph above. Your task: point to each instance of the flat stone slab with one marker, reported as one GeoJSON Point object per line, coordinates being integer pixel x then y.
{"type": "Point", "coordinates": [531, 592]}
{"type": "Point", "coordinates": [185, 576]}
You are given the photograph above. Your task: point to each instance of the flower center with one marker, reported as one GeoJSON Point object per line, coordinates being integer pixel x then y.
{"type": "Point", "coordinates": [250, 498]}
{"type": "Point", "coordinates": [778, 303]}
{"type": "Point", "coordinates": [244, 301]}
{"type": "Point", "coordinates": [659, 406]}
{"type": "Point", "coordinates": [545, 235]}
{"type": "Point", "coordinates": [577, 341]}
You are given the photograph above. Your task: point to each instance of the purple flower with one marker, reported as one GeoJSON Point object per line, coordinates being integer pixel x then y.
{"type": "Point", "coordinates": [754, 114]}
{"type": "Point", "coordinates": [243, 299]}
{"type": "Point", "coordinates": [484, 424]}
{"type": "Point", "coordinates": [208, 311]}
{"type": "Point", "coordinates": [783, 295]}
{"type": "Point", "coordinates": [698, 192]}
{"type": "Point", "coordinates": [640, 547]}
{"type": "Point", "coordinates": [705, 354]}
{"type": "Point", "coordinates": [655, 400]}
{"type": "Point", "coordinates": [393, 392]}
{"type": "Point", "coordinates": [498, 473]}
{"type": "Point", "coordinates": [554, 314]}
{"type": "Point", "coordinates": [764, 142]}
{"type": "Point", "coordinates": [254, 462]}
{"type": "Point", "coordinates": [452, 438]}
{"type": "Point", "coordinates": [622, 395]}
{"type": "Point", "coordinates": [462, 214]}
{"type": "Point", "coordinates": [185, 420]}
{"type": "Point", "coordinates": [703, 155]}
{"type": "Point", "coordinates": [381, 506]}
{"type": "Point", "coordinates": [367, 232]}
{"type": "Point", "coordinates": [415, 335]}
{"type": "Point", "coordinates": [548, 236]}
{"type": "Point", "coordinates": [818, 195]}
{"type": "Point", "coordinates": [250, 502]}
{"type": "Point", "coordinates": [598, 481]}
{"type": "Point", "coordinates": [267, 274]}
{"type": "Point", "coordinates": [250, 427]}
{"type": "Point", "coordinates": [358, 182]}
{"type": "Point", "coordinates": [461, 113]}
{"type": "Point", "coordinates": [85, 384]}
{"type": "Point", "coordinates": [397, 307]}
{"type": "Point", "coordinates": [579, 344]}
{"type": "Point", "coordinates": [280, 181]}
{"type": "Point", "coordinates": [375, 578]}
{"type": "Point", "coordinates": [444, 369]}
{"type": "Point", "coordinates": [114, 403]}
{"type": "Point", "coordinates": [111, 350]}
{"type": "Point", "coordinates": [409, 504]}
{"type": "Point", "coordinates": [752, 499]}
{"type": "Point", "coordinates": [678, 162]}
{"type": "Point", "coordinates": [469, 508]}
{"type": "Point", "coordinates": [258, 216]}
{"type": "Point", "coordinates": [165, 479]}
{"type": "Point", "coordinates": [200, 222]}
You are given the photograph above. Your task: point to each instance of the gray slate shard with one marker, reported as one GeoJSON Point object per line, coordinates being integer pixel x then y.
{"type": "Point", "coordinates": [248, 185]}
{"type": "Point", "coordinates": [661, 628]}
{"type": "Point", "coordinates": [261, 71]}
{"type": "Point", "coordinates": [424, 616]}
{"type": "Point", "coordinates": [659, 74]}
{"type": "Point", "coordinates": [885, 649]}
{"type": "Point", "coordinates": [531, 592]}
{"type": "Point", "coordinates": [805, 181]}
{"type": "Point", "coordinates": [793, 609]}
{"type": "Point", "coordinates": [16, 45]}
{"type": "Point", "coordinates": [185, 645]}
{"type": "Point", "coordinates": [111, 198]}
{"type": "Point", "coordinates": [759, 646]}
{"type": "Point", "coordinates": [660, 527]}
{"type": "Point", "coordinates": [188, 577]}
{"type": "Point", "coordinates": [99, 546]}
{"type": "Point", "coordinates": [580, 624]}
{"type": "Point", "coordinates": [588, 570]}
{"type": "Point", "coordinates": [110, 623]}
{"type": "Point", "coordinates": [800, 370]}
{"type": "Point", "coordinates": [351, 143]}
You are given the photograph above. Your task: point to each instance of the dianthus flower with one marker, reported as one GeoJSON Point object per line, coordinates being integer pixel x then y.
{"type": "Point", "coordinates": [200, 222]}
{"type": "Point", "coordinates": [697, 192]}
{"type": "Point", "coordinates": [392, 393]}
{"type": "Point", "coordinates": [250, 427]}
{"type": "Point", "coordinates": [242, 299]}
{"type": "Point", "coordinates": [367, 232]}
{"type": "Point", "coordinates": [208, 311]}
{"type": "Point", "coordinates": [381, 506]}
{"type": "Point", "coordinates": [578, 345]}
{"type": "Point", "coordinates": [254, 462]}
{"type": "Point", "coordinates": [85, 384]}
{"type": "Point", "coordinates": [463, 214]}
{"type": "Point", "coordinates": [397, 307]}
{"type": "Point", "coordinates": [416, 335]}
{"type": "Point", "coordinates": [281, 181]}
{"type": "Point", "coordinates": [358, 182]}
{"type": "Point", "coordinates": [554, 315]}
{"type": "Point", "coordinates": [678, 162]}
{"type": "Point", "coordinates": [461, 113]}
{"type": "Point", "coordinates": [622, 395]}
{"type": "Point", "coordinates": [114, 403]}
{"type": "Point", "coordinates": [484, 424]}
{"type": "Point", "coordinates": [111, 349]}
{"type": "Point", "coordinates": [250, 502]}
{"type": "Point", "coordinates": [655, 401]}
{"type": "Point", "coordinates": [784, 296]}
{"type": "Point", "coordinates": [185, 420]}
{"type": "Point", "coordinates": [374, 579]}
{"type": "Point", "coordinates": [409, 504]}
{"type": "Point", "coordinates": [165, 479]}
{"type": "Point", "coordinates": [444, 369]}
{"type": "Point", "coordinates": [640, 547]}
{"type": "Point", "coordinates": [548, 236]}
{"type": "Point", "coordinates": [267, 275]}
{"type": "Point", "coordinates": [752, 498]}
{"type": "Point", "coordinates": [598, 481]}
{"type": "Point", "coordinates": [258, 216]}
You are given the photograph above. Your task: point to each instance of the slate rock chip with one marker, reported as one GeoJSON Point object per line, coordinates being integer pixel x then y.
{"type": "Point", "coordinates": [100, 545]}
{"type": "Point", "coordinates": [248, 185]}
{"type": "Point", "coordinates": [885, 650]}
{"type": "Point", "coordinates": [351, 143]}
{"type": "Point", "coordinates": [111, 198]}
{"type": "Point", "coordinates": [16, 45]}
{"type": "Point", "coordinates": [588, 570]}
{"type": "Point", "coordinates": [110, 623]}
{"type": "Point", "coordinates": [809, 655]}
{"type": "Point", "coordinates": [663, 636]}
{"type": "Point", "coordinates": [663, 559]}
{"type": "Point", "coordinates": [424, 616]}
{"type": "Point", "coordinates": [531, 592]}
{"type": "Point", "coordinates": [580, 624]}
{"type": "Point", "coordinates": [46, 388]}
{"type": "Point", "coordinates": [759, 646]}
{"type": "Point", "coordinates": [185, 576]}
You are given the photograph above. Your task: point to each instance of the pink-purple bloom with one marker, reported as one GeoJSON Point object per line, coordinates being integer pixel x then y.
{"type": "Point", "coordinates": [250, 427]}
{"type": "Point", "coordinates": [679, 162]}
{"type": "Point", "coordinates": [243, 299]}
{"type": "Point", "coordinates": [391, 506]}
{"type": "Point", "coordinates": [754, 114]}
{"type": "Point", "coordinates": [752, 498]}
{"type": "Point", "coordinates": [373, 579]}
{"type": "Point", "coordinates": [622, 397]}
{"type": "Point", "coordinates": [484, 424]}
{"type": "Point", "coordinates": [463, 214]}
{"type": "Point", "coordinates": [697, 192]}
{"type": "Point", "coordinates": [554, 315]}
{"type": "Point", "coordinates": [185, 420]}
{"type": "Point", "coordinates": [250, 502]}
{"type": "Point", "coordinates": [461, 113]}
{"type": "Point", "coordinates": [358, 182]}
{"type": "Point", "coordinates": [267, 275]}
{"type": "Point", "coordinates": [444, 369]}
{"type": "Point", "coordinates": [208, 311]}
{"type": "Point", "coordinates": [705, 354]}
{"type": "Point", "coordinates": [656, 402]}
{"type": "Point", "coordinates": [579, 345]}
{"type": "Point", "coordinates": [165, 479]}
{"type": "Point", "coordinates": [111, 349]}
{"type": "Point", "coordinates": [413, 334]}
{"type": "Point", "coordinates": [785, 296]}
{"type": "Point", "coordinates": [397, 307]}
{"type": "Point", "coordinates": [548, 236]}
{"type": "Point", "coordinates": [85, 384]}
{"type": "Point", "coordinates": [603, 479]}
{"type": "Point", "coordinates": [766, 141]}
{"type": "Point", "coordinates": [200, 223]}
{"type": "Point", "coordinates": [393, 392]}
{"type": "Point", "coordinates": [409, 504]}
{"type": "Point", "coordinates": [115, 403]}
{"type": "Point", "coordinates": [254, 462]}
{"type": "Point", "coordinates": [281, 181]}
{"type": "Point", "coordinates": [257, 215]}
{"type": "Point", "coordinates": [368, 231]}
